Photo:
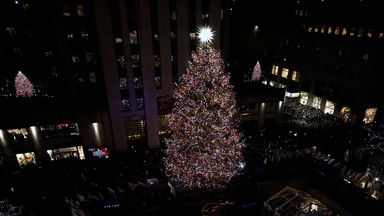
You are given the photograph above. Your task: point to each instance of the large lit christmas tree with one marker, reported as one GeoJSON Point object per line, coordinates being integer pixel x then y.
{"type": "Point", "coordinates": [256, 73]}
{"type": "Point", "coordinates": [24, 87]}
{"type": "Point", "coordinates": [205, 148]}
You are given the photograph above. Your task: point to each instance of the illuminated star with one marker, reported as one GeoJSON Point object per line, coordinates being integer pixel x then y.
{"type": "Point", "coordinates": [205, 34]}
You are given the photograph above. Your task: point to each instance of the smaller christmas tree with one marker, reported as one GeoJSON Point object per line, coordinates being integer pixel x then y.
{"type": "Point", "coordinates": [256, 74]}
{"type": "Point", "coordinates": [24, 87]}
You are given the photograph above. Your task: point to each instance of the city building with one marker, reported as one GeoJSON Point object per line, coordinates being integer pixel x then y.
{"type": "Point", "coordinates": [327, 54]}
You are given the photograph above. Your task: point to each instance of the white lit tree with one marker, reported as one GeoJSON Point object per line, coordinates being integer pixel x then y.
{"type": "Point", "coordinates": [205, 148]}
{"type": "Point", "coordinates": [256, 74]}
{"type": "Point", "coordinates": [24, 87]}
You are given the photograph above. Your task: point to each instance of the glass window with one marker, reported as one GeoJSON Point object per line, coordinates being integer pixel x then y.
{"type": "Point", "coordinates": [140, 103]}
{"type": "Point", "coordinates": [137, 83]}
{"type": "Point", "coordinates": [360, 33]}
{"type": "Point", "coordinates": [369, 33]}
{"type": "Point", "coordinates": [80, 10]}
{"type": "Point", "coordinates": [316, 102]}
{"type": "Point", "coordinates": [369, 115]}
{"type": "Point", "coordinates": [329, 107]}
{"type": "Point", "coordinates": [295, 76]}
{"type": "Point", "coordinates": [345, 113]}
{"type": "Point", "coordinates": [329, 30]}
{"type": "Point", "coordinates": [135, 60]}
{"type": "Point", "coordinates": [66, 10]}
{"type": "Point", "coordinates": [344, 31]}
{"type": "Point", "coordinates": [304, 98]}
{"type": "Point", "coordinates": [284, 72]}
{"type": "Point", "coordinates": [133, 37]}
{"type": "Point", "coordinates": [11, 31]}
{"type": "Point", "coordinates": [337, 30]}
{"type": "Point", "coordinates": [352, 32]}
{"type": "Point", "coordinates": [275, 69]}
{"type": "Point", "coordinates": [125, 104]}
{"type": "Point", "coordinates": [92, 77]}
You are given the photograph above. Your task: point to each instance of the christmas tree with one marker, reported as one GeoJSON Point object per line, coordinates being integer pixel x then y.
{"type": "Point", "coordinates": [256, 74]}
{"type": "Point", "coordinates": [24, 87]}
{"type": "Point", "coordinates": [205, 148]}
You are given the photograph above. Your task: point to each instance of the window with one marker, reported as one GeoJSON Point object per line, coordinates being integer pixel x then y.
{"type": "Point", "coordinates": [369, 115]}
{"type": "Point", "coordinates": [284, 72]}
{"type": "Point", "coordinates": [140, 103]}
{"type": "Point", "coordinates": [137, 83]}
{"type": "Point", "coordinates": [92, 77]}
{"type": "Point", "coordinates": [295, 76]}
{"type": "Point", "coordinates": [125, 104]}
{"type": "Point", "coordinates": [352, 32]}
{"type": "Point", "coordinates": [156, 60]}
{"type": "Point", "coordinates": [329, 30]}
{"type": "Point", "coordinates": [344, 31]}
{"type": "Point", "coordinates": [329, 107]}
{"type": "Point", "coordinates": [337, 30]}
{"type": "Point", "coordinates": [275, 69]}
{"type": "Point", "coordinates": [366, 55]}
{"type": "Point", "coordinates": [345, 113]}
{"type": "Point", "coordinates": [158, 82]}
{"type": "Point", "coordinates": [118, 40]}
{"type": "Point", "coordinates": [369, 33]}
{"type": "Point", "coordinates": [66, 10]}
{"type": "Point", "coordinates": [322, 29]}
{"type": "Point", "coordinates": [11, 31]}
{"type": "Point", "coordinates": [192, 35]}
{"type": "Point", "coordinates": [133, 37]}
{"type": "Point", "coordinates": [360, 33]}
{"type": "Point", "coordinates": [304, 98]}
{"type": "Point", "coordinates": [123, 83]}
{"type": "Point", "coordinates": [173, 15]}
{"type": "Point", "coordinates": [381, 35]}
{"type": "Point", "coordinates": [70, 36]}
{"type": "Point", "coordinates": [80, 11]}
{"type": "Point", "coordinates": [316, 29]}
{"type": "Point", "coordinates": [135, 60]}
{"type": "Point", "coordinates": [121, 61]}
{"type": "Point", "coordinates": [316, 103]}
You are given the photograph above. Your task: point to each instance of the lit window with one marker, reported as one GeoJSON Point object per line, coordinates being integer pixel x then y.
{"type": "Point", "coordinates": [156, 60]}
{"type": "Point", "coordinates": [306, 13]}
{"type": "Point", "coordinates": [337, 30]}
{"type": "Point", "coordinates": [361, 31]}
{"type": "Point", "coordinates": [310, 29]}
{"type": "Point", "coordinates": [316, 29]}
{"type": "Point", "coordinates": [75, 59]}
{"type": "Point", "coordinates": [92, 77]}
{"type": "Point", "coordinates": [221, 14]}
{"type": "Point", "coordinates": [85, 35]}
{"type": "Point", "coordinates": [88, 57]}
{"type": "Point", "coordinates": [329, 107]}
{"type": "Point", "coordinates": [137, 83]}
{"type": "Point", "coordinates": [156, 36]}
{"type": "Point", "coordinates": [284, 72]}
{"type": "Point", "coordinates": [322, 29]}
{"type": "Point", "coordinates": [352, 32]}
{"type": "Point", "coordinates": [345, 113]}
{"type": "Point", "coordinates": [123, 83]}
{"type": "Point", "coordinates": [192, 35]}
{"type": "Point", "coordinates": [135, 60]}
{"type": "Point", "coordinates": [330, 30]}
{"type": "Point", "coordinates": [369, 33]}
{"type": "Point", "coordinates": [297, 12]}
{"type": "Point", "coordinates": [369, 115]}
{"type": "Point", "coordinates": [80, 10]}
{"type": "Point", "coordinates": [344, 31]}
{"type": "Point", "coordinates": [366, 55]}
{"type": "Point", "coordinates": [70, 36]}
{"type": "Point", "coordinates": [304, 98]}
{"type": "Point", "coordinates": [173, 15]}
{"type": "Point", "coordinates": [133, 37]}
{"type": "Point", "coordinates": [301, 12]}
{"type": "Point", "coordinates": [204, 16]}
{"type": "Point", "coordinates": [275, 69]}
{"type": "Point", "coordinates": [316, 102]}
{"type": "Point", "coordinates": [48, 54]}
{"type": "Point", "coordinates": [25, 6]}
{"type": "Point", "coordinates": [381, 35]}
{"type": "Point", "coordinates": [140, 103]}
{"type": "Point", "coordinates": [11, 31]}
{"type": "Point", "coordinates": [295, 76]}
{"type": "Point", "coordinates": [173, 35]}
{"type": "Point", "coordinates": [66, 10]}
{"type": "Point", "coordinates": [158, 82]}
{"type": "Point", "coordinates": [125, 104]}
{"type": "Point", "coordinates": [118, 40]}
{"type": "Point", "coordinates": [121, 61]}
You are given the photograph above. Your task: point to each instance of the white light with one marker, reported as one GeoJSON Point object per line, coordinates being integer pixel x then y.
{"type": "Point", "coordinates": [205, 34]}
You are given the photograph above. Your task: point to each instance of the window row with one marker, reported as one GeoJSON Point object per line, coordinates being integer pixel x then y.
{"type": "Point", "coordinates": [345, 31]}
{"type": "Point", "coordinates": [284, 72]}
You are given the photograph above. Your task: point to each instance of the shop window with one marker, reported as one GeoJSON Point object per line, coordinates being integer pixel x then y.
{"type": "Point", "coordinates": [59, 130]}
{"type": "Point", "coordinates": [275, 69]}
{"type": "Point", "coordinates": [304, 98]}
{"type": "Point", "coordinates": [369, 115]}
{"type": "Point", "coordinates": [345, 113]}
{"type": "Point", "coordinates": [316, 102]}
{"type": "Point", "coordinates": [329, 107]}
{"type": "Point", "coordinates": [284, 72]}
{"type": "Point", "coordinates": [74, 152]}
{"type": "Point", "coordinates": [80, 10]}
{"type": "Point", "coordinates": [26, 159]}
{"type": "Point", "coordinates": [18, 135]}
